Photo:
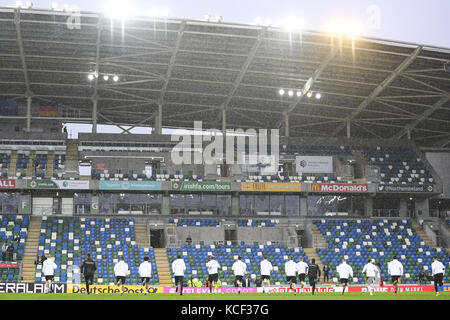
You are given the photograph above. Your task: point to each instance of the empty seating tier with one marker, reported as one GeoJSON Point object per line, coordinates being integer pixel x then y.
{"type": "Point", "coordinates": [68, 240]}
{"type": "Point", "coordinates": [196, 257]}
{"type": "Point", "coordinates": [357, 241]}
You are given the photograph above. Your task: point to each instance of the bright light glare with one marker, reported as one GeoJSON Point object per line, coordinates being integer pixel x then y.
{"type": "Point", "coordinates": [158, 13]}
{"type": "Point", "coordinates": [351, 29]}
{"type": "Point", "coordinates": [116, 78]}
{"type": "Point", "coordinates": [119, 10]}
{"type": "Point", "coordinates": [291, 93]}
{"type": "Point", "coordinates": [299, 94]}
{"type": "Point", "coordinates": [281, 92]}
{"type": "Point", "coordinates": [106, 78]}
{"type": "Point", "coordinates": [294, 24]}
{"type": "Point", "coordinates": [318, 96]}
{"type": "Point", "coordinates": [309, 95]}
{"type": "Point", "coordinates": [257, 21]}
{"type": "Point", "coordinates": [91, 77]}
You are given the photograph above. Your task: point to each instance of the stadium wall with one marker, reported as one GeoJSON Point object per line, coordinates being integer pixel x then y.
{"type": "Point", "coordinates": [440, 162]}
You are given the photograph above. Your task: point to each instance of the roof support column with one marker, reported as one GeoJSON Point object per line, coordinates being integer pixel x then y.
{"type": "Point", "coordinates": [224, 122]}
{"type": "Point", "coordinates": [94, 115]}
{"type": "Point", "coordinates": [29, 101]}
{"type": "Point", "coordinates": [286, 124]}
{"type": "Point", "coordinates": [349, 133]}
{"type": "Point", "coordinates": [158, 120]}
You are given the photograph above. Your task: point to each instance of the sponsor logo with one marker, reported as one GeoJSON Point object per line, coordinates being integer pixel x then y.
{"type": "Point", "coordinates": [355, 289]}
{"type": "Point", "coordinates": [7, 184]}
{"type": "Point", "coordinates": [392, 289]}
{"type": "Point", "coordinates": [339, 188]}
{"type": "Point", "coordinates": [131, 185]}
{"type": "Point", "coordinates": [271, 187]}
{"type": "Point", "coordinates": [102, 289]}
{"type": "Point", "coordinates": [314, 164]}
{"type": "Point", "coordinates": [30, 288]}
{"type": "Point", "coordinates": [303, 164]}
{"type": "Point", "coordinates": [206, 290]}
{"type": "Point", "coordinates": [58, 184]}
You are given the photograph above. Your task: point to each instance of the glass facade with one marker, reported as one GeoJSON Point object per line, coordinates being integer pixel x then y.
{"type": "Point", "coordinates": [200, 204]}
{"type": "Point", "coordinates": [273, 205]}
{"type": "Point", "coordinates": [336, 205]}
{"type": "Point", "coordinates": [9, 202]}
{"type": "Point", "coordinates": [115, 203]}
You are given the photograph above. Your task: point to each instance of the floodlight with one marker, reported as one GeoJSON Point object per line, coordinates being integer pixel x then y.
{"type": "Point", "coordinates": [299, 94]}
{"type": "Point", "coordinates": [91, 77]}
{"type": "Point", "coordinates": [309, 95]}
{"type": "Point", "coordinates": [281, 92]}
{"type": "Point", "coordinates": [291, 93]}
{"type": "Point", "coordinates": [106, 77]}
{"type": "Point", "coordinates": [318, 96]}
{"type": "Point", "coordinates": [116, 78]}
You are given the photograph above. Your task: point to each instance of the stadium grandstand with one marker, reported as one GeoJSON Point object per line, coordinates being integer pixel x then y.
{"type": "Point", "coordinates": [362, 172]}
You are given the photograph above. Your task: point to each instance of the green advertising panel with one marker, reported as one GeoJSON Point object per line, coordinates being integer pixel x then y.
{"type": "Point", "coordinates": [201, 186]}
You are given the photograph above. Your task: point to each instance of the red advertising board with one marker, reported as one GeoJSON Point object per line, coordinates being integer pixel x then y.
{"type": "Point", "coordinates": [100, 166]}
{"type": "Point", "coordinates": [339, 188]}
{"type": "Point", "coordinates": [8, 184]}
{"type": "Point", "coordinates": [9, 266]}
{"type": "Point", "coordinates": [387, 289]}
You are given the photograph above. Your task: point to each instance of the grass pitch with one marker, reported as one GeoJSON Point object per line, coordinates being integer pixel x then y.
{"type": "Point", "coordinates": [234, 297]}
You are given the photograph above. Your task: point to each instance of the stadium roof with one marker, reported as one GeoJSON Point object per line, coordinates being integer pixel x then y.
{"type": "Point", "coordinates": [196, 69]}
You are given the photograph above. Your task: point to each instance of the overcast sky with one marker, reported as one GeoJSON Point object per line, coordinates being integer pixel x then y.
{"type": "Point", "coordinates": [419, 21]}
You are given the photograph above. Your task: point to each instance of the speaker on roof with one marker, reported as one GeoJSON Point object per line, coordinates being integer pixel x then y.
{"type": "Point", "coordinates": [447, 67]}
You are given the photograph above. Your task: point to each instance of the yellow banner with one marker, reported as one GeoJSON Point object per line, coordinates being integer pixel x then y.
{"type": "Point", "coordinates": [102, 289]}
{"type": "Point", "coordinates": [271, 187]}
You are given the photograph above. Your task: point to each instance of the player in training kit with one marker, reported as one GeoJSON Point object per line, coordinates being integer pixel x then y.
{"type": "Point", "coordinates": [313, 274]}
{"type": "Point", "coordinates": [239, 268]}
{"type": "Point", "coordinates": [437, 271]}
{"type": "Point", "coordinates": [345, 274]}
{"type": "Point", "coordinates": [121, 271]}
{"type": "Point", "coordinates": [395, 269]}
{"type": "Point", "coordinates": [266, 269]}
{"type": "Point", "coordinates": [88, 269]}
{"type": "Point", "coordinates": [290, 268]}
{"type": "Point", "coordinates": [145, 272]}
{"type": "Point", "coordinates": [213, 272]}
{"type": "Point", "coordinates": [48, 269]}
{"type": "Point", "coordinates": [302, 269]}
{"type": "Point", "coordinates": [372, 273]}
{"type": "Point", "coordinates": [178, 269]}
